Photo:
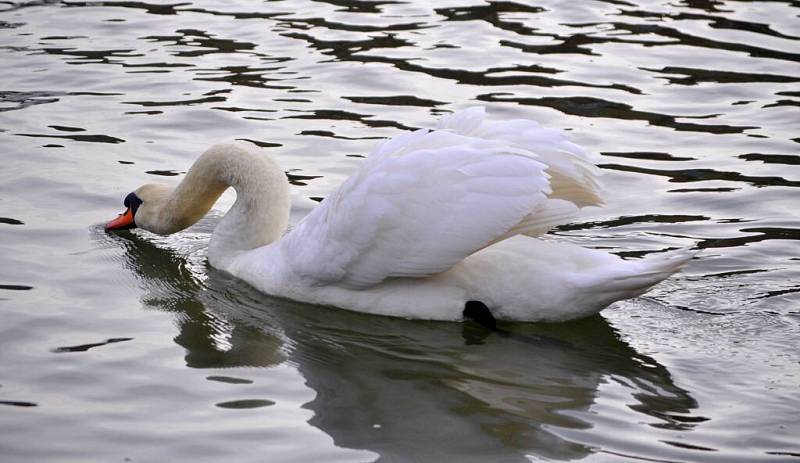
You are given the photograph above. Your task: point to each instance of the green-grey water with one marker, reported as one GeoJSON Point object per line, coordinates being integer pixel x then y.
{"type": "Point", "coordinates": [129, 347]}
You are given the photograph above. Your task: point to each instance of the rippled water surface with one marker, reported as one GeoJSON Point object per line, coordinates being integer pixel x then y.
{"type": "Point", "coordinates": [128, 347]}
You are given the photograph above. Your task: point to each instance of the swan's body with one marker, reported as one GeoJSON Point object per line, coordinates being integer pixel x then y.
{"type": "Point", "coordinates": [431, 220]}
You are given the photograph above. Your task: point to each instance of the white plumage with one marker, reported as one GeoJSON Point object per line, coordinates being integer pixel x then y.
{"type": "Point", "coordinates": [431, 220]}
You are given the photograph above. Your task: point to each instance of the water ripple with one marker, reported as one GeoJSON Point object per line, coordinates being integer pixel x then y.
{"type": "Point", "coordinates": [691, 103]}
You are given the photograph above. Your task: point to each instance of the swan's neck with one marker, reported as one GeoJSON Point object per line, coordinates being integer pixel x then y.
{"type": "Point", "coordinates": [261, 211]}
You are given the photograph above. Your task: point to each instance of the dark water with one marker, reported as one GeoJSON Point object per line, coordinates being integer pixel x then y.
{"type": "Point", "coordinates": [129, 347]}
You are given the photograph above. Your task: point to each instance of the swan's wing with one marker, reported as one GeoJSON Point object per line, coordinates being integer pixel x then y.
{"type": "Point", "coordinates": [572, 169]}
{"type": "Point", "coordinates": [418, 205]}
{"type": "Point", "coordinates": [425, 200]}
{"type": "Point", "coordinates": [574, 175]}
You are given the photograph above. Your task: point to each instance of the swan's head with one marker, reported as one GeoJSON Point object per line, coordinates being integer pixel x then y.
{"type": "Point", "coordinates": [143, 209]}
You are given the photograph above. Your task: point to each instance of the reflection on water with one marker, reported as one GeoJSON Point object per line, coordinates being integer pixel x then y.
{"type": "Point", "coordinates": [379, 381]}
{"type": "Point", "coordinates": [691, 103]}
{"type": "Point", "coordinates": [211, 340]}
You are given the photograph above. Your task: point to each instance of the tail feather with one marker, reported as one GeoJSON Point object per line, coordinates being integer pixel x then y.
{"type": "Point", "coordinates": [648, 272]}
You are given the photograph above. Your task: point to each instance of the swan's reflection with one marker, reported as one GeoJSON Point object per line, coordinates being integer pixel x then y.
{"type": "Point", "coordinates": [211, 340]}
{"type": "Point", "coordinates": [410, 390]}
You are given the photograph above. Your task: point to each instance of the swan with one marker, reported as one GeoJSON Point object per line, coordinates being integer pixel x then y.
{"type": "Point", "coordinates": [441, 224]}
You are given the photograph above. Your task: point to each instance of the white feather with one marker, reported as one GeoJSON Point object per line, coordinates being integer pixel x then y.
{"type": "Point", "coordinates": [418, 206]}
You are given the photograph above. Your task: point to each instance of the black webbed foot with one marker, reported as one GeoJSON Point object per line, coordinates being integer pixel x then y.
{"type": "Point", "coordinates": [480, 314]}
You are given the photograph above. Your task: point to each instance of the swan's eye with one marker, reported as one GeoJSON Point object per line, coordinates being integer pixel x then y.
{"type": "Point", "coordinates": [132, 202]}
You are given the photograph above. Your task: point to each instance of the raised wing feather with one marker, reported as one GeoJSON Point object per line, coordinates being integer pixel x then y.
{"type": "Point", "coordinates": [572, 169]}
{"type": "Point", "coordinates": [418, 208]}
{"type": "Point", "coordinates": [421, 203]}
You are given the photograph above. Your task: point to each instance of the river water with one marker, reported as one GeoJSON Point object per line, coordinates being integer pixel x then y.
{"type": "Point", "coordinates": [129, 347]}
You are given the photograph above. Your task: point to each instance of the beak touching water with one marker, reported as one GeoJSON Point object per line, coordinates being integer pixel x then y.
{"type": "Point", "coordinates": [123, 222]}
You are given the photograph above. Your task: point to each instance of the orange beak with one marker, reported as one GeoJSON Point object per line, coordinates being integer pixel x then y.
{"type": "Point", "coordinates": [123, 222]}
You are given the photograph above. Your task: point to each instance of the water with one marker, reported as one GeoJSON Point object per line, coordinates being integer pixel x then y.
{"type": "Point", "coordinates": [128, 347]}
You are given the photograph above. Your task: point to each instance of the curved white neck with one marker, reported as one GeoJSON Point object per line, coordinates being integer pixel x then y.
{"type": "Point", "coordinates": [260, 214]}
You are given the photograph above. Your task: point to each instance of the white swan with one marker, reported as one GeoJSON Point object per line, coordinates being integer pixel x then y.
{"type": "Point", "coordinates": [431, 220]}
